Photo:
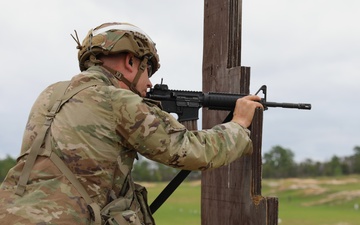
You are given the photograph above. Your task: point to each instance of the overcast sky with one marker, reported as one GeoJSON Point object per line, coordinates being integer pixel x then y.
{"type": "Point", "coordinates": [303, 50]}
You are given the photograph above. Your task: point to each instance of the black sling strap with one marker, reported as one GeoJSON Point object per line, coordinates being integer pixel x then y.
{"type": "Point", "coordinates": [168, 190]}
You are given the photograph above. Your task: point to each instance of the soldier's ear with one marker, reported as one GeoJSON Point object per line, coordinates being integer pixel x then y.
{"type": "Point", "coordinates": [129, 62]}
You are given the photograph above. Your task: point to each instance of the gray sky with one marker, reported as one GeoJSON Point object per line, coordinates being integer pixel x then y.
{"type": "Point", "coordinates": [304, 51]}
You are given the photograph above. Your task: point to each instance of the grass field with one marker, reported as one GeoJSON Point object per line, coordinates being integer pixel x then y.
{"type": "Point", "coordinates": [182, 208]}
{"type": "Point", "coordinates": [318, 201]}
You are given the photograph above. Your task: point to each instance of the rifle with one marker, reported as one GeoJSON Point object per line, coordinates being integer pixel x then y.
{"type": "Point", "coordinates": [186, 105]}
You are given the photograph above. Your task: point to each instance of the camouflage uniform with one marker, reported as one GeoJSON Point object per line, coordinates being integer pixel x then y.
{"type": "Point", "coordinates": [93, 131]}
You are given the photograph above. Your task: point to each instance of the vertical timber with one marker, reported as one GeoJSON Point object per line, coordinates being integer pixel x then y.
{"type": "Point", "coordinates": [231, 195]}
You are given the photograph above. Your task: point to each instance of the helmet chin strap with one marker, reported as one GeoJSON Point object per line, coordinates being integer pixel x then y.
{"type": "Point", "coordinates": [132, 85]}
{"type": "Point", "coordinates": [141, 70]}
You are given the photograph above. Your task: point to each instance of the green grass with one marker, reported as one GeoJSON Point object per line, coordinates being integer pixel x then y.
{"type": "Point", "coordinates": [313, 201]}
{"type": "Point", "coordinates": [182, 207]}
{"type": "Point", "coordinates": [320, 201]}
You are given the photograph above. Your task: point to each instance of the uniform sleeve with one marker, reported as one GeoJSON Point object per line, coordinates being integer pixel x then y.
{"type": "Point", "coordinates": [158, 136]}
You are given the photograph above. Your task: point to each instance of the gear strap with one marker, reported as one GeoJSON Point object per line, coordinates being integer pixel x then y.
{"type": "Point", "coordinates": [118, 75]}
{"type": "Point", "coordinates": [132, 85]}
{"type": "Point", "coordinates": [141, 69]}
{"type": "Point", "coordinates": [36, 146]}
{"type": "Point", "coordinates": [58, 98]}
{"type": "Point", "coordinates": [168, 190]}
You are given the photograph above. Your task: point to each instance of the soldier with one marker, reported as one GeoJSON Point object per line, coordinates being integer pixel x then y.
{"type": "Point", "coordinates": [82, 137]}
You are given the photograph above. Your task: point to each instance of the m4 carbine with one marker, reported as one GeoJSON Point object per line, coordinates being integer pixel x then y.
{"type": "Point", "coordinates": [186, 104]}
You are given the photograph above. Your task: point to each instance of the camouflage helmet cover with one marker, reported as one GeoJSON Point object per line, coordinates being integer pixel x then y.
{"type": "Point", "coordinates": [114, 38]}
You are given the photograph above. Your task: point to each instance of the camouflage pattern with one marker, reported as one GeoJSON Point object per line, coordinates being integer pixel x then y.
{"type": "Point", "coordinates": [99, 127]}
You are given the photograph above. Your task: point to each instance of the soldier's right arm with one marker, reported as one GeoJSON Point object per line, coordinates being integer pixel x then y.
{"type": "Point", "coordinates": [159, 136]}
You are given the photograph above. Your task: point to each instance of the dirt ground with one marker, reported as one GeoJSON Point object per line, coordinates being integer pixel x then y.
{"type": "Point", "coordinates": [323, 187]}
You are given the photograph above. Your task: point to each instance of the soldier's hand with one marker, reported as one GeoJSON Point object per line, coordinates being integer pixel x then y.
{"type": "Point", "coordinates": [245, 109]}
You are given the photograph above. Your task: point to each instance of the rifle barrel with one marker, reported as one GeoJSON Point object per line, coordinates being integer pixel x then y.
{"type": "Point", "coordinates": [288, 105]}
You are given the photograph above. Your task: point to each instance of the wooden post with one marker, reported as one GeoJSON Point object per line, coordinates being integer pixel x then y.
{"type": "Point", "coordinates": [231, 195]}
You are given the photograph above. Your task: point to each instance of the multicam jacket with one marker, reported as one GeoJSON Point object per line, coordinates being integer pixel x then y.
{"type": "Point", "coordinates": [97, 128]}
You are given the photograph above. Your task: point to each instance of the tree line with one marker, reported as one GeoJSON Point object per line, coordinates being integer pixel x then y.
{"type": "Point", "coordinates": [279, 162]}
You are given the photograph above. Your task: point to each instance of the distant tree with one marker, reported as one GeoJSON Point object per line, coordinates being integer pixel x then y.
{"type": "Point", "coordinates": [309, 168]}
{"type": "Point", "coordinates": [166, 173]}
{"type": "Point", "coordinates": [356, 160]}
{"type": "Point", "coordinates": [146, 170]}
{"type": "Point", "coordinates": [348, 166]}
{"type": "Point", "coordinates": [142, 171]}
{"type": "Point", "coordinates": [357, 150]}
{"type": "Point", "coordinates": [279, 163]}
{"type": "Point", "coordinates": [5, 165]}
{"type": "Point", "coordinates": [334, 167]}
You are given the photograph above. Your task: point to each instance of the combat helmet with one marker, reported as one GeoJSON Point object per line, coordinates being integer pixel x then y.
{"type": "Point", "coordinates": [114, 38]}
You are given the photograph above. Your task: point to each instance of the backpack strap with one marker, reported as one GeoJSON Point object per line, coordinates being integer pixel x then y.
{"type": "Point", "coordinates": [93, 207]}
{"type": "Point", "coordinates": [54, 107]}
{"type": "Point", "coordinates": [58, 98]}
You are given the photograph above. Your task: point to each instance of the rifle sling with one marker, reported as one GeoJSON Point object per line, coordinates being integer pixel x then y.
{"type": "Point", "coordinates": [168, 190]}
